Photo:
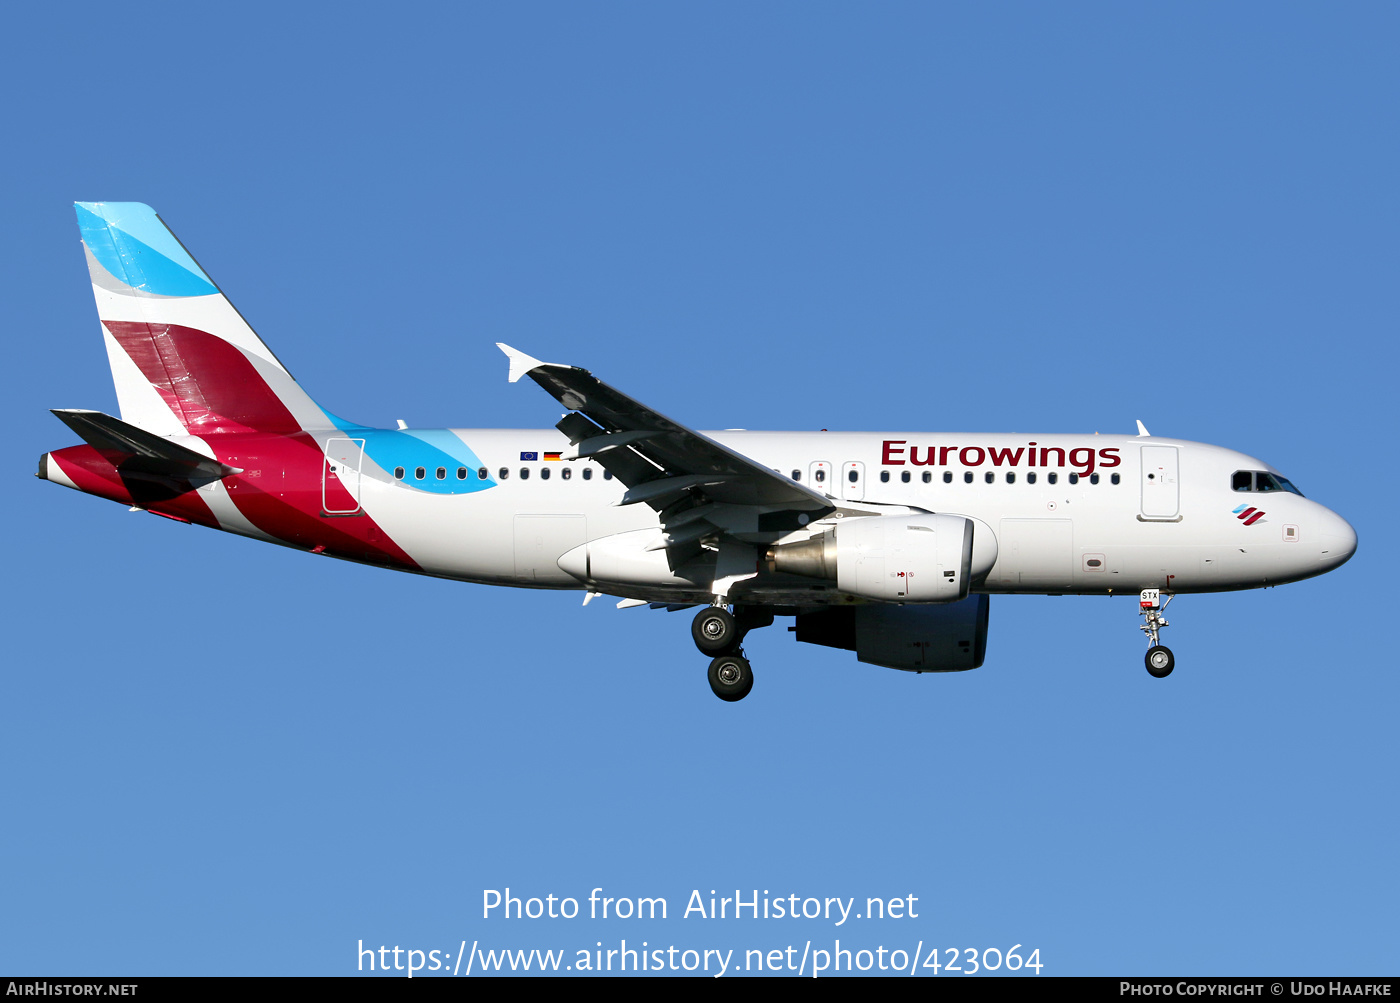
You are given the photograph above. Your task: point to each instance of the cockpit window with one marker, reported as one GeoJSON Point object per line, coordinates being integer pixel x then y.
{"type": "Point", "coordinates": [1261, 480]}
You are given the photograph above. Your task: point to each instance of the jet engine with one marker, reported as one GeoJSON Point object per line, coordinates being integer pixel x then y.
{"type": "Point", "coordinates": [895, 558]}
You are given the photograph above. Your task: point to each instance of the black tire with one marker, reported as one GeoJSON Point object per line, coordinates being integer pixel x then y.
{"type": "Point", "coordinates": [1160, 661]}
{"type": "Point", "coordinates": [731, 677]}
{"type": "Point", "coordinates": [715, 631]}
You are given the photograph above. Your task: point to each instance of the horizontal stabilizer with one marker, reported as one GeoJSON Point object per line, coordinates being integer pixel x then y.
{"type": "Point", "coordinates": [142, 455]}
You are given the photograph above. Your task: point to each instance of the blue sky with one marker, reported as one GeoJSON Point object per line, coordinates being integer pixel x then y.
{"type": "Point", "coordinates": [226, 758]}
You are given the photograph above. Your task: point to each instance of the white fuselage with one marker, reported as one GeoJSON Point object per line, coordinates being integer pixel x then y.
{"type": "Point", "coordinates": [1138, 512]}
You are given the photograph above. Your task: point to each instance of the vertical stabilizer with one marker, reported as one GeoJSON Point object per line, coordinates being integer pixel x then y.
{"type": "Point", "coordinates": [184, 361]}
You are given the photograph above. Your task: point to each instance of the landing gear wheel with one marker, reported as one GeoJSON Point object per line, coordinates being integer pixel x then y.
{"type": "Point", "coordinates": [1160, 661]}
{"type": "Point", "coordinates": [715, 631]}
{"type": "Point", "coordinates": [731, 677]}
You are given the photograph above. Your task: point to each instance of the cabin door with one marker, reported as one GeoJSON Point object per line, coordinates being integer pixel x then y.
{"type": "Point", "coordinates": [1161, 490]}
{"type": "Point", "coordinates": [340, 476]}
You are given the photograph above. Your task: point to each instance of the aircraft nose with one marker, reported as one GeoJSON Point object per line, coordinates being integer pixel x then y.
{"type": "Point", "coordinates": [1337, 541]}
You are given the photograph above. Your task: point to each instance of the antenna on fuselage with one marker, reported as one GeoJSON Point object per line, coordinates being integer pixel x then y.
{"type": "Point", "coordinates": [1142, 429]}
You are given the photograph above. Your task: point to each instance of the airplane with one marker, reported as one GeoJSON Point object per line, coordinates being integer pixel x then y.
{"type": "Point", "coordinates": [888, 544]}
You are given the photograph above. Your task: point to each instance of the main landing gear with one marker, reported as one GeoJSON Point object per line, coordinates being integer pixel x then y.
{"type": "Point", "coordinates": [1159, 658]}
{"type": "Point", "coordinates": [719, 632]}
{"type": "Point", "coordinates": [731, 677]}
{"type": "Point", "coordinates": [715, 630]}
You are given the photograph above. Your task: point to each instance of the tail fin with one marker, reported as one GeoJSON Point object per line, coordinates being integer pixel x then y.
{"type": "Point", "coordinates": [185, 362]}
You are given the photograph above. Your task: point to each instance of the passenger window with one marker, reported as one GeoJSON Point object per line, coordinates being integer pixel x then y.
{"type": "Point", "coordinates": [1030, 478]}
{"type": "Point", "coordinates": [524, 473]}
{"type": "Point", "coordinates": [588, 473]}
{"type": "Point", "coordinates": [1074, 478]}
{"type": "Point", "coordinates": [797, 475]}
{"type": "Point", "coordinates": [544, 473]}
{"type": "Point", "coordinates": [1052, 477]}
{"type": "Point", "coordinates": [854, 476]}
{"type": "Point", "coordinates": [967, 477]}
{"type": "Point", "coordinates": [461, 473]}
{"type": "Point", "coordinates": [947, 477]}
{"type": "Point", "coordinates": [1115, 479]}
{"type": "Point", "coordinates": [989, 477]}
{"type": "Point", "coordinates": [419, 473]}
{"type": "Point", "coordinates": [398, 473]}
{"type": "Point", "coordinates": [1093, 478]}
{"type": "Point", "coordinates": [442, 473]}
{"type": "Point", "coordinates": [481, 474]}
{"type": "Point", "coordinates": [820, 475]}
{"type": "Point", "coordinates": [607, 475]}
{"type": "Point", "coordinates": [1010, 477]}
{"type": "Point", "coordinates": [928, 477]}
{"type": "Point", "coordinates": [503, 473]}
{"type": "Point", "coordinates": [566, 473]}
{"type": "Point", "coordinates": [904, 476]}
{"type": "Point", "coordinates": [884, 476]}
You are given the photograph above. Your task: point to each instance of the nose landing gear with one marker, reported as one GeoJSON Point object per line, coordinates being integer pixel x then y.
{"type": "Point", "coordinates": [1159, 660]}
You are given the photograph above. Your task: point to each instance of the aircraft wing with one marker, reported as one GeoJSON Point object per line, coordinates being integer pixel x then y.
{"type": "Point", "coordinates": [688, 477]}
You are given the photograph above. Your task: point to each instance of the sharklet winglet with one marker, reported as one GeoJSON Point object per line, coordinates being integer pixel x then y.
{"type": "Point", "coordinates": [520, 363]}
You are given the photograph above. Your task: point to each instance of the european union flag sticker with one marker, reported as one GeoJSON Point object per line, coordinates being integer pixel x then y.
{"type": "Point", "coordinates": [529, 456]}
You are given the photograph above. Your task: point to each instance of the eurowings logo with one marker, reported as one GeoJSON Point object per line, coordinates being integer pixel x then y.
{"type": "Point", "coordinates": [1248, 514]}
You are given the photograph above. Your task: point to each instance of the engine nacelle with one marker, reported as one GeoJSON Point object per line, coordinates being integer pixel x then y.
{"type": "Point", "coordinates": [945, 638]}
{"type": "Point", "coordinates": [894, 558]}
